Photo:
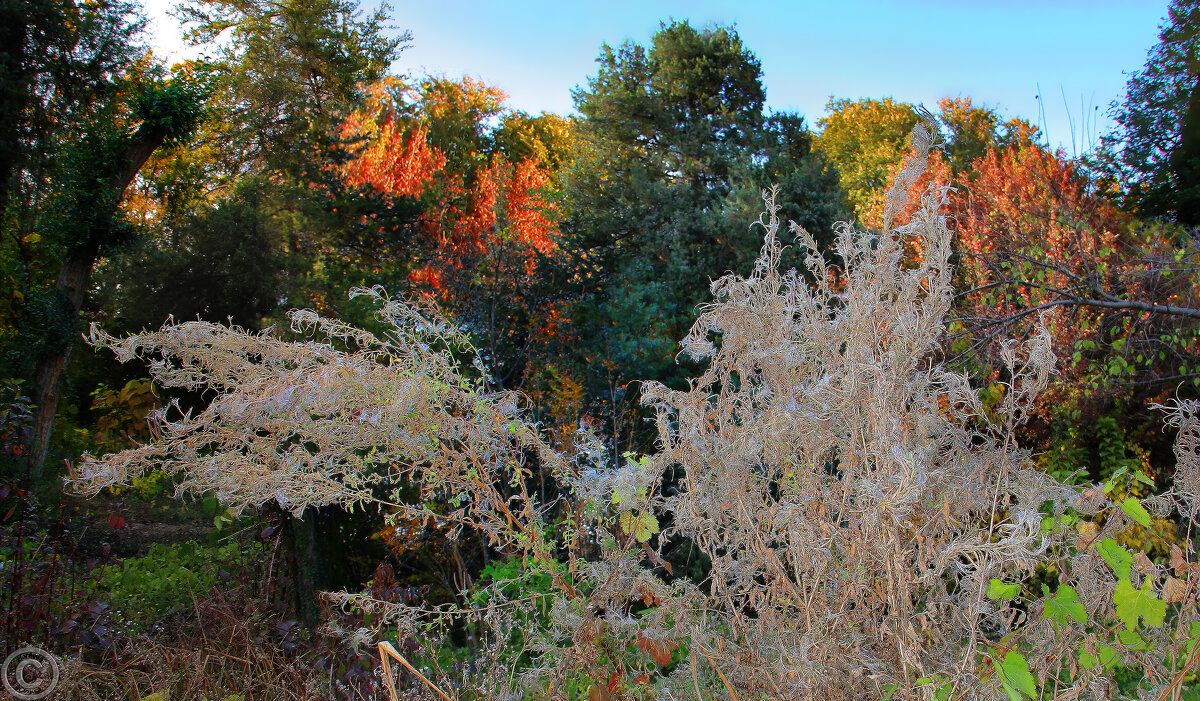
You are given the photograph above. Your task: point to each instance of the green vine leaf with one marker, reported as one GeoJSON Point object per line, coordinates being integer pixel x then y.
{"type": "Point", "coordinates": [1133, 604]}
{"type": "Point", "coordinates": [1106, 656]}
{"type": "Point", "coordinates": [1193, 636]}
{"type": "Point", "coordinates": [998, 590]}
{"type": "Point", "coordinates": [1134, 510]}
{"type": "Point", "coordinates": [1131, 640]}
{"type": "Point", "coordinates": [642, 526]}
{"type": "Point", "coordinates": [1116, 556]}
{"type": "Point", "coordinates": [1015, 677]}
{"type": "Point", "coordinates": [1063, 605]}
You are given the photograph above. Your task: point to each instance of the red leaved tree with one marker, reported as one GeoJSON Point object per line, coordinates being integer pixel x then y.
{"type": "Point", "coordinates": [1038, 240]}
{"type": "Point", "coordinates": [482, 237]}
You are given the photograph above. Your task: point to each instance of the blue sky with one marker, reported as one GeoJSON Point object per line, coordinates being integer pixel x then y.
{"type": "Point", "coordinates": [1001, 53]}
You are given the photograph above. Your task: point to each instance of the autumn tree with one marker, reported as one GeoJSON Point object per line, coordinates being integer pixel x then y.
{"type": "Point", "coordinates": [971, 131]}
{"type": "Point", "coordinates": [1040, 242]}
{"type": "Point", "coordinates": [863, 139]}
{"type": "Point", "coordinates": [867, 141]}
{"type": "Point", "coordinates": [1039, 235]}
{"type": "Point", "coordinates": [465, 209]}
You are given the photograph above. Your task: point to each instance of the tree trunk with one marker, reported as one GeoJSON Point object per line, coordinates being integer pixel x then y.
{"type": "Point", "coordinates": [71, 287]}
{"type": "Point", "coordinates": [309, 563]}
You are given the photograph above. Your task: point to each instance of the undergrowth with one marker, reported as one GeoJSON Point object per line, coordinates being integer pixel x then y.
{"type": "Point", "coordinates": [869, 528]}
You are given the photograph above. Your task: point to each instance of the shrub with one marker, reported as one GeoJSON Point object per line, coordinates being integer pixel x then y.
{"type": "Point", "coordinates": [143, 590]}
{"type": "Point", "coordinates": [870, 529]}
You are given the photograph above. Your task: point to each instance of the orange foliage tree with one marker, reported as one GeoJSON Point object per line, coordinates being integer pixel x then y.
{"type": "Point", "coordinates": [456, 200]}
{"type": "Point", "coordinates": [1038, 240]}
{"type": "Point", "coordinates": [480, 233]}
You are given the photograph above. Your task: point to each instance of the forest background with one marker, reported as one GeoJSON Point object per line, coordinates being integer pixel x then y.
{"type": "Point", "coordinates": [289, 164]}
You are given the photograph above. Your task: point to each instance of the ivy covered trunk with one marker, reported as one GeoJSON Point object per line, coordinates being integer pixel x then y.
{"type": "Point", "coordinates": [122, 158]}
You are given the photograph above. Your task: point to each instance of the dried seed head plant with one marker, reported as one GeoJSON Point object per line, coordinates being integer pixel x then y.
{"type": "Point", "coordinates": [870, 530]}
{"type": "Point", "coordinates": [329, 419]}
{"type": "Point", "coordinates": [1185, 494]}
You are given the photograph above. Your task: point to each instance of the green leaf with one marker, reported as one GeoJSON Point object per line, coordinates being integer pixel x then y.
{"type": "Point", "coordinates": [1117, 557]}
{"type": "Point", "coordinates": [647, 526]}
{"type": "Point", "coordinates": [1105, 656]}
{"type": "Point", "coordinates": [1133, 604]}
{"type": "Point", "coordinates": [1132, 640]}
{"type": "Point", "coordinates": [1063, 605]}
{"type": "Point", "coordinates": [642, 526]}
{"type": "Point", "coordinates": [1134, 509]}
{"type": "Point", "coordinates": [1193, 636]}
{"type": "Point", "coordinates": [998, 590]}
{"type": "Point", "coordinates": [1015, 677]}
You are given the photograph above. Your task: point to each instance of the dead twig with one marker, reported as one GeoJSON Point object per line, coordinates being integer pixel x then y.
{"type": "Point", "coordinates": [387, 650]}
